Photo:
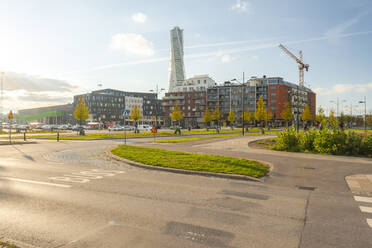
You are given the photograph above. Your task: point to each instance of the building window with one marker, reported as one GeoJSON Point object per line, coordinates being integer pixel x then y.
{"type": "Point", "coordinates": [273, 94]}
{"type": "Point", "coordinates": [273, 108]}
{"type": "Point", "coordinates": [273, 101]}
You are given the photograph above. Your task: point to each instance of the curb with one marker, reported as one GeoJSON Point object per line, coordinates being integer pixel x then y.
{"type": "Point", "coordinates": [190, 172]}
{"type": "Point", "coordinates": [17, 143]}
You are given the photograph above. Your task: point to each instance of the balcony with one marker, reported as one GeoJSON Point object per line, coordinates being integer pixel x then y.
{"type": "Point", "coordinates": [173, 97]}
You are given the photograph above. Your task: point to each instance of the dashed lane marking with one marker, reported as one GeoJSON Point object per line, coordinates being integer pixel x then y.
{"type": "Point", "coordinates": [35, 182]}
{"type": "Point", "coordinates": [363, 199]}
{"type": "Point", "coordinates": [365, 209]}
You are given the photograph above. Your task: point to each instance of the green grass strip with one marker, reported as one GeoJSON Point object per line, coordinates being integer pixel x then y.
{"type": "Point", "coordinates": [209, 137]}
{"type": "Point", "coordinates": [191, 161]}
{"type": "Point", "coordinates": [120, 135]}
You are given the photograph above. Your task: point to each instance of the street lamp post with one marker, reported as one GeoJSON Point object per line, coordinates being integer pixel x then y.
{"type": "Point", "coordinates": [365, 112]}
{"type": "Point", "coordinates": [157, 91]}
{"type": "Point", "coordinates": [242, 101]}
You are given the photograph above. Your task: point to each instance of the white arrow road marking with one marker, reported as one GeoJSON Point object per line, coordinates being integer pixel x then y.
{"type": "Point", "coordinates": [35, 182]}
{"type": "Point", "coordinates": [363, 199]}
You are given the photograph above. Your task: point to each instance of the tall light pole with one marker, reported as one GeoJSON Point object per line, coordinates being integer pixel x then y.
{"type": "Point", "coordinates": [157, 91]}
{"type": "Point", "coordinates": [365, 112]}
{"type": "Point", "coordinates": [242, 101]}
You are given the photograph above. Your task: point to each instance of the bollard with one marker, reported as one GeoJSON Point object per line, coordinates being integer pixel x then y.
{"type": "Point", "coordinates": [57, 136]}
{"type": "Point", "coordinates": [24, 136]}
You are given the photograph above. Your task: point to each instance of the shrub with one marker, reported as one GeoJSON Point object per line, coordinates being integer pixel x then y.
{"type": "Point", "coordinates": [307, 140]}
{"type": "Point", "coordinates": [353, 144]}
{"type": "Point", "coordinates": [288, 140]}
{"type": "Point", "coordinates": [367, 146]}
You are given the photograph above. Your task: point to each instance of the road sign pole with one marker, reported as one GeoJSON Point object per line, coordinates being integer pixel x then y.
{"type": "Point", "coordinates": [125, 132]}
{"type": "Point", "coordinates": [10, 131]}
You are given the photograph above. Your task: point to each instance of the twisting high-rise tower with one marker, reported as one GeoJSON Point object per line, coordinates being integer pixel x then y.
{"type": "Point", "coordinates": [177, 68]}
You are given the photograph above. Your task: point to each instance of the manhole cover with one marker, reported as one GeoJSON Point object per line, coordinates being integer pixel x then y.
{"type": "Point", "coordinates": [306, 188]}
{"type": "Point", "coordinates": [206, 236]}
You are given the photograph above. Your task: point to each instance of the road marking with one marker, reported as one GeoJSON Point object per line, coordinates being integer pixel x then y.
{"type": "Point", "coordinates": [363, 199]}
{"type": "Point", "coordinates": [35, 182]}
{"type": "Point", "coordinates": [86, 176]}
{"type": "Point", "coordinates": [365, 209]}
{"type": "Point", "coordinates": [369, 221]}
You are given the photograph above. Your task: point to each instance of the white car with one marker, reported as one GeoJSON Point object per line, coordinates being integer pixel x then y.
{"type": "Point", "coordinates": [116, 128]}
{"type": "Point", "coordinates": [144, 127]}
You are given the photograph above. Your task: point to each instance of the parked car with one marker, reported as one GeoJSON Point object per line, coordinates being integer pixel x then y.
{"type": "Point", "coordinates": [22, 127]}
{"type": "Point", "coordinates": [116, 128]}
{"type": "Point", "coordinates": [129, 128]}
{"type": "Point", "coordinates": [46, 127]}
{"type": "Point", "coordinates": [144, 127]}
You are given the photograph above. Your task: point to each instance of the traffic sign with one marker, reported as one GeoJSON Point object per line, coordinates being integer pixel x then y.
{"type": "Point", "coordinates": [10, 116]}
{"type": "Point", "coordinates": [153, 130]}
{"type": "Point", "coordinates": [125, 113]}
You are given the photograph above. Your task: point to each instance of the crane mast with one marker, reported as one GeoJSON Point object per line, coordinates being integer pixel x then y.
{"type": "Point", "coordinates": [301, 65]}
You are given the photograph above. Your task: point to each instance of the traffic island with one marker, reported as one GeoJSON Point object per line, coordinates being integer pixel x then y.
{"type": "Point", "coordinates": [191, 163]}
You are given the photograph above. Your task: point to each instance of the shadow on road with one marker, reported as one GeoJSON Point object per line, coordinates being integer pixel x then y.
{"type": "Point", "coordinates": [28, 157]}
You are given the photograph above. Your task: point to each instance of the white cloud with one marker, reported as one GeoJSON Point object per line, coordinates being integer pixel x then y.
{"type": "Point", "coordinates": [240, 6]}
{"type": "Point", "coordinates": [139, 17]}
{"type": "Point", "coordinates": [338, 89]}
{"type": "Point", "coordinates": [335, 32]}
{"type": "Point", "coordinates": [131, 43]}
{"type": "Point", "coordinates": [226, 58]}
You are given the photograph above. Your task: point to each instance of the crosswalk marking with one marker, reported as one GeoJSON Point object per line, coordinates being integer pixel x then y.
{"type": "Point", "coordinates": [363, 199]}
{"type": "Point", "coordinates": [369, 221]}
{"type": "Point", "coordinates": [365, 209]}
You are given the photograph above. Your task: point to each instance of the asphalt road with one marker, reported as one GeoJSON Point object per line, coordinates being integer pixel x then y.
{"type": "Point", "coordinates": [69, 194]}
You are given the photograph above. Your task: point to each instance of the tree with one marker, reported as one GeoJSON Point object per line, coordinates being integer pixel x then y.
{"type": "Point", "coordinates": [207, 118]}
{"type": "Point", "coordinates": [248, 116]}
{"type": "Point", "coordinates": [306, 115]}
{"type": "Point", "coordinates": [261, 113]}
{"type": "Point", "coordinates": [81, 113]}
{"type": "Point", "coordinates": [135, 114]}
{"type": "Point", "coordinates": [231, 118]}
{"type": "Point", "coordinates": [320, 116]}
{"type": "Point", "coordinates": [369, 120]}
{"type": "Point", "coordinates": [177, 116]}
{"type": "Point", "coordinates": [216, 116]}
{"type": "Point", "coordinates": [332, 118]}
{"type": "Point", "coordinates": [286, 114]}
{"type": "Point", "coordinates": [269, 116]}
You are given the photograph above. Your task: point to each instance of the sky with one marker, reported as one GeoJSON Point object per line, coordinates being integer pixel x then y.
{"type": "Point", "coordinates": [52, 50]}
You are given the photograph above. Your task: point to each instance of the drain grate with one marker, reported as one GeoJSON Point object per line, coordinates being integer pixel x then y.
{"type": "Point", "coordinates": [309, 168]}
{"type": "Point", "coordinates": [306, 188]}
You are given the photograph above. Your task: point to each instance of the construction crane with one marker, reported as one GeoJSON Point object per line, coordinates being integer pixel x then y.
{"type": "Point", "coordinates": [301, 65]}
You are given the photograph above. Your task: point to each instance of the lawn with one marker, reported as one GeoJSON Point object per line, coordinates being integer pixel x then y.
{"type": "Point", "coordinates": [120, 135]}
{"type": "Point", "coordinates": [191, 161]}
{"type": "Point", "coordinates": [209, 137]}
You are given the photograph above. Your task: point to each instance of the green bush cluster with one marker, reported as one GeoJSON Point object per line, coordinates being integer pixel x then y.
{"type": "Point", "coordinates": [327, 141]}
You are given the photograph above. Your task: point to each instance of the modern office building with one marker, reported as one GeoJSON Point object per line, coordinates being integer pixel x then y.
{"type": "Point", "coordinates": [196, 83]}
{"type": "Point", "coordinates": [192, 104]}
{"type": "Point", "coordinates": [105, 106]}
{"type": "Point", "coordinates": [176, 68]}
{"type": "Point", "coordinates": [274, 91]}
{"type": "Point", "coordinates": [58, 114]}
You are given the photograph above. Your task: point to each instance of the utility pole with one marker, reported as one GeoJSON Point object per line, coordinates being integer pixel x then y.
{"type": "Point", "coordinates": [243, 104]}
{"type": "Point", "coordinates": [365, 112]}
